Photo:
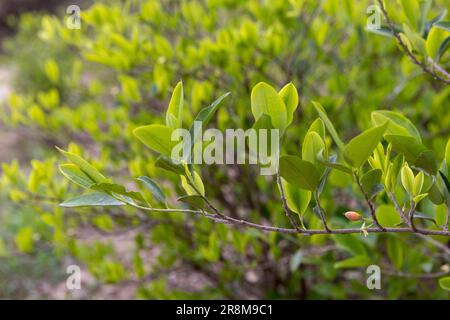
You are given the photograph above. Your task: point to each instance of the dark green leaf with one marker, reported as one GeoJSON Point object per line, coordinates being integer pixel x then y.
{"type": "Point", "coordinates": [167, 163]}
{"type": "Point", "coordinates": [300, 173]}
{"type": "Point", "coordinates": [193, 200]}
{"type": "Point", "coordinates": [371, 182]}
{"type": "Point", "coordinates": [360, 148]}
{"type": "Point", "coordinates": [92, 199]}
{"type": "Point", "coordinates": [154, 188]}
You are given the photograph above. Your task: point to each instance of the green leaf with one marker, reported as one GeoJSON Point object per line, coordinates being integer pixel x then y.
{"type": "Point", "coordinates": [398, 123]}
{"type": "Point", "coordinates": [74, 174]}
{"type": "Point", "coordinates": [193, 200]}
{"type": "Point", "coordinates": [333, 165]}
{"type": "Point", "coordinates": [312, 145]}
{"type": "Point", "coordinates": [446, 181]}
{"type": "Point", "coordinates": [360, 148]}
{"type": "Point", "coordinates": [297, 199]}
{"type": "Point", "coordinates": [444, 283]}
{"type": "Point", "coordinates": [168, 164]}
{"type": "Point", "coordinates": [118, 190]}
{"type": "Point", "coordinates": [323, 115]}
{"type": "Point", "coordinates": [359, 261]}
{"type": "Point", "coordinates": [175, 109]}
{"type": "Point", "coordinates": [409, 146]}
{"type": "Point", "coordinates": [418, 183]}
{"type": "Point", "coordinates": [447, 156]}
{"type": "Point", "coordinates": [153, 187]}
{"type": "Point", "coordinates": [427, 161]}
{"type": "Point", "coordinates": [299, 173]}
{"type": "Point", "coordinates": [435, 38]}
{"type": "Point", "coordinates": [289, 95]}
{"type": "Point", "coordinates": [411, 9]}
{"type": "Point", "coordinates": [444, 25]}
{"type": "Point", "coordinates": [350, 243]}
{"type": "Point", "coordinates": [84, 166]}
{"type": "Point", "coordinates": [407, 178]}
{"type": "Point", "coordinates": [387, 216]}
{"type": "Point", "coordinates": [317, 126]}
{"type": "Point", "coordinates": [443, 48]}
{"type": "Point", "coordinates": [196, 181]}
{"type": "Point", "coordinates": [204, 116]}
{"type": "Point", "coordinates": [92, 199]}
{"type": "Point", "coordinates": [265, 100]}
{"type": "Point", "coordinates": [395, 252]}
{"type": "Point", "coordinates": [157, 137]}
{"type": "Point", "coordinates": [370, 182]}
{"type": "Point", "coordinates": [435, 194]}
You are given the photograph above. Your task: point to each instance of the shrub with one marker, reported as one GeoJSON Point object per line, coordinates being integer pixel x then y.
{"type": "Point", "coordinates": [99, 85]}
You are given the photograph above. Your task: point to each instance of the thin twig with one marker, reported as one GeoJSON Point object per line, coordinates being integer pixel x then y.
{"type": "Point", "coordinates": [405, 48]}
{"type": "Point", "coordinates": [240, 222]}
{"type": "Point", "coordinates": [286, 209]}
{"type": "Point", "coordinates": [369, 202]}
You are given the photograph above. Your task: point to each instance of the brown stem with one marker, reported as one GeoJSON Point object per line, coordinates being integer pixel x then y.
{"type": "Point", "coordinates": [369, 202]}
{"type": "Point", "coordinates": [286, 209]}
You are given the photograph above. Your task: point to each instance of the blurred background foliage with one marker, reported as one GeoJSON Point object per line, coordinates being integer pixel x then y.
{"type": "Point", "coordinates": [92, 87]}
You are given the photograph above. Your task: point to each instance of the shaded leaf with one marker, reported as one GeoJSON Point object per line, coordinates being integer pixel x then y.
{"type": "Point", "coordinates": [153, 187]}
{"type": "Point", "coordinates": [92, 199]}
{"type": "Point", "coordinates": [299, 173]}
{"type": "Point", "coordinates": [360, 148]}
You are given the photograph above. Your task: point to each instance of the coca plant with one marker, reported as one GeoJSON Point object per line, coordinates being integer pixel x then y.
{"type": "Point", "coordinates": [388, 164]}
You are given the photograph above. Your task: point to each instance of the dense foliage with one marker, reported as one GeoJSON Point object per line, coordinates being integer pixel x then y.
{"type": "Point", "coordinates": [373, 144]}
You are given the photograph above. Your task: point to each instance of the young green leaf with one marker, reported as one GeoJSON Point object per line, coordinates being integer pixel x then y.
{"type": "Point", "coordinates": [289, 95]}
{"type": "Point", "coordinates": [323, 115]}
{"type": "Point", "coordinates": [157, 137]}
{"type": "Point", "coordinates": [312, 145]}
{"type": "Point", "coordinates": [74, 174]}
{"type": "Point", "coordinates": [265, 100]}
{"type": "Point", "coordinates": [196, 181]}
{"type": "Point", "coordinates": [175, 109]}
{"type": "Point", "coordinates": [299, 173]}
{"type": "Point", "coordinates": [418, 183]}
{"type": "Point", "coordinates": [84, 166]}
{"type": "Point", "coordinates": [92, 200]}
{"type": "Point", "coordinates": [297, 199]}
{"type": "Point", "coordinates": [359, 149]}
{"type": "Point", "coordinates": [317, 126]}
{"type": "Point", "coordinates": [407, 178]}
{"type": "Point", "coordinates": [447, 156]}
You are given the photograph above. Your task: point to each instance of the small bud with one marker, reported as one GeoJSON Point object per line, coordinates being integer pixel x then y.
{"type": "Point", "coordinates": [353, 216]}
